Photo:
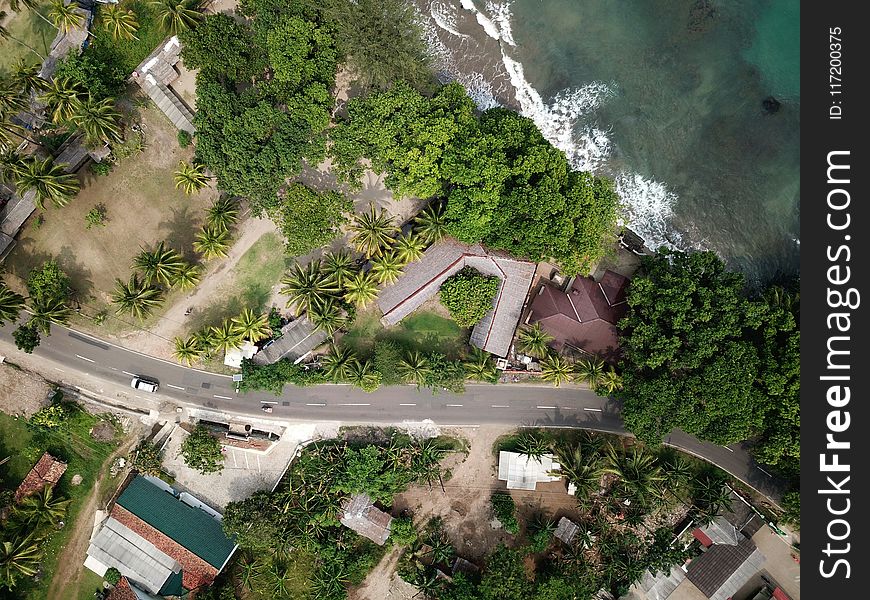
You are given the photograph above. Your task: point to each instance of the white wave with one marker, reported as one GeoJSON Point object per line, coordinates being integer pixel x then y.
{"type": "Point", "coordinates": [489, 27]}
{"type": "Point", "coordinates": [479, 89]}
{"type": "Point", "coordinates": [647, 207]}
{"type": "Point", "coordinates": [444, 16]}
{"type": "Point", "coordinates": [558, 121]}
{"type": "Point", "coordinates": [501, 15]}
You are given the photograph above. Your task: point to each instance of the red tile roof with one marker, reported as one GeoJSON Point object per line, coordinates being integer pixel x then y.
{"type": "Point", "coordinates": [585, 315]}
{"type": "Point", "coordinates": [122, 591]}
{"type": "Point", "coordinates": [702, 537]}
{"type": "Point", "coordinates": [778, 594]}
{"type": "Point", "coordinates": [47, 471]}
{"type": "Point", "coordinates": [195, 571]}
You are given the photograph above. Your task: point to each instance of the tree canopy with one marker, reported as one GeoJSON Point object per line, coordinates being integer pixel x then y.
{"type": "Point", "coordinates": [309, 219]}
{"type": "Point", "coordinates": [701, 355]}
{"type": "Point", "coordinates": [468, 296]}
{"type": "Point", "coordinates": [504, 184]}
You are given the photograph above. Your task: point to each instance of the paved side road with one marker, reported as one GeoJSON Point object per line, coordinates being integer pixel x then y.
{"type": "Point", "coordinates": [107, 368]}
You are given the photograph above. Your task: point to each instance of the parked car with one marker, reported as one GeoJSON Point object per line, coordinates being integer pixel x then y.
{"type": "Point", "coordinates": [266, 408]}
{"type": "Point", "coordinates": [146, 385]}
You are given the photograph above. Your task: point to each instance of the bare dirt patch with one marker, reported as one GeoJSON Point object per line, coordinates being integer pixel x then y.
{"type": "Point", "coordinates": [22, 393]}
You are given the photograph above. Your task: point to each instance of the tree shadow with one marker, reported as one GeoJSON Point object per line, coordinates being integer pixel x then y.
{"type": "Point", "coordinates": [80, 275]}
{"type": "Point", "coordinates": [180, 231]}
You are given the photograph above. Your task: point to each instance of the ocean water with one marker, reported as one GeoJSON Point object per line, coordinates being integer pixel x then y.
{"type": "Point", "coordinates": [665, 96]}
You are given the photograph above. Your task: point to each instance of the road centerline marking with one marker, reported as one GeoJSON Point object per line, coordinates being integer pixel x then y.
{"type": "Point", "coordinates": [406, 404]}
{"type": "Point", "coordinates": [128, 373]}
{"type": "Point", "coordinates": [315, 404]}
{"type": "Point", "coordinates": [222, 397]}
{"type": "Point", "coordinates": [500, 406]}
{"type": "Point", "coordinates": [177, 387]}
{"type": "Point", "coordinates": [454, 405]}
{"type": "Point", "coordinates": [593, 409]}
{"type": "Point", "coordinates": [728, 449]}
{"type": "Point", "coordinates": [91, 360]}
{"type": "Point", "coordinates": [547, 407]}
{"type": "Point", "coordinates": [354, 404]}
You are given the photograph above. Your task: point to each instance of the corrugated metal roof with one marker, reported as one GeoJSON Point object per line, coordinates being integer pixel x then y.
{"type": "Point", "coordinates": [298, 338]}
{"type": "Point", "coordinates": [359, 514]}
{"type": "Point", "coordinates": [190, 527]}
{"type": "Point", "coordinates": [722, 570]}
{"type": "Point", "coordinates": [523, 472]}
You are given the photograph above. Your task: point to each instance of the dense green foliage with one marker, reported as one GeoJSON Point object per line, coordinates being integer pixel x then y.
{"type": "Point", "coordinates": [97, 79]}
{"type": "Point", "coordinates": [253, 137]}
{"type": "Point", "coordinates": [504, 184]}
{"type": "Point", "coordinates": [383, 40]}
{"type": "Point", "coordinates": [202, 451]}
{"type": "Point", "coordinates": [505, 511]}
{"type": "Point", "coordinates": [147, 458]}
{"type": "Point", "coordinates": [302, 514]}
{"type": "Point", "coordinates": [703, 356]}
{"type": "Point", "coordinates": [309, 219]}
{"type": "Point", "coordinates": [468, 296]}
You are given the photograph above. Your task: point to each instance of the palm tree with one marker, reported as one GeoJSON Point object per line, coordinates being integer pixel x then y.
{"type": "Point", "coordinates": [584, 474]}
{"type": "Point", "coordinates": [363, 375]}
{"type": "Point", "coordinates": [361, 289]}
{"type": "Point", "coordinates": [534, 341]}
{"type": "Point", "coordinates": [308, 286]}
{"type": "Point", "coordinates": [26, 78]}
{"type": "Point", "coordinates": [177, 15]}
{"type": "Point", "coordinates": [225, 337]}
{"type": "Point", "coordinates": [119, 22]}
{"type": "Point", "coordinates": [190, 177]}
{"type": "Point", "coordinates": [339, 265]}
{"type": "Point", "coordinates": [326, 316]}
{"type": "Point", "coordinates": [31, 5]}
{"type": "Point", "coordinates": [590, 370]}
{"type": "Point", "coordinates": [414, 368]}
{"type": "Point", "coordinates": [10, 304]}
{"type": "Point", "coordinates": [372, 232]}
{"type": "Point", "coordinates": [711, 496]}
{"type": "Point", "coordinates": [136, 296]}
{"type": "Point", "coordinates": [610, 383]}
{"type": "Point", "coordinates": [479, 366]}
{"type": "Point", "coordinates": [11, 99]}
{"type": "Point", "coordinates": [409, 247]}
{"type": "Point", "coordinates": [5, 34]}
{"type": "Point", "coordinates": [212, 242]}
{"type": "Point", "coordinates": [431, 224]}
{"type": "Point", "coordinates": [250, 567]}
{"type": "Point", "coordinates": [252, 326]}
{"type": "Point", "coordinates": [50, 182]}
{"type": "Point", "coordinates": [65, 17]}
{"type": "Point", "coordinates": [187, 350]}
{"type": "Point", "coordinates": [41, 509]}
{"type": "Point", "coordinates": [639, 473]}
{"type": "Point", "coordinates": [47, 310]}
{"type": "Point", "coordinates": [556, 370]}
{"type": "Point", "coordinates": [12, 164]}
{"type": "Point", "coordinates": [223, 213]}
{"type": "Point", "coordinates": [337, 362]}
{"type": "Point", "coordinates": [62, 96]}
{"type": "Point", "coordinates": [19, 557]}
{"type": "Point", "coordinates": [161, 265]}
{"type": "Point", "coordinates": [98, 120]}
{"type": "Point", "coordinates": [187, 277]}
{"type": "Point", "coordinates": [386, 268]}
{"type": "Point", "coordinates": [532, 446]}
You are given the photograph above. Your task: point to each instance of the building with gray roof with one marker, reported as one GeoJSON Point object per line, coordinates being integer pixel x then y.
{"type": "Point", "coordinates": [155, 75]}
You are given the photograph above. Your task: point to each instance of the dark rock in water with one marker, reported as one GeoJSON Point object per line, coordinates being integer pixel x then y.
{"type": "Point", "coordinates": [701, 16]}
{"type": "Point", "coordinates": [770, 105]}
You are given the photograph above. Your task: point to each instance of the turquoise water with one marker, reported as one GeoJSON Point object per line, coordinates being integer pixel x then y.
{"type": "Point", "coordinates": [685, 83]}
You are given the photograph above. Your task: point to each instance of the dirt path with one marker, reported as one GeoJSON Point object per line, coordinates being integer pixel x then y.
{"type": "Point", "coordinates": [70, 567]}
{"type": "Point", "coordinates": [173, 322]}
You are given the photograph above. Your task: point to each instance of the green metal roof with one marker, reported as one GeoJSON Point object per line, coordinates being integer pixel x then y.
{"type": "Point", "coordinates": [190, 527]}
{"type": "Point", "coordinates": [172, 586]}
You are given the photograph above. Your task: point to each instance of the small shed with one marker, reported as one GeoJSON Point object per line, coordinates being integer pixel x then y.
{"type": "Point", "coordinates": [566, 529]}
{"type": "Point", "coordinates": [360, 514]}
{"type": "Point", "coordinates": [46, 472]}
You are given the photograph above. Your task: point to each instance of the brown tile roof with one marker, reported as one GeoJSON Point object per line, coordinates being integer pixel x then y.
{"type": "Point", "coordinates": [723, 569]}
{"type": "Point", "coordinates": [195, 571]}
{"type": "Point", "coordinates": [422, 279]}
{"type": "Point", "coordinates": [47, 471]}
{"type": "Point", "coordinates": [359, 514]}
{"type": "Point", "coordinates": [122, 591]}
{"type": "Point", "coordinates": [585, 315]}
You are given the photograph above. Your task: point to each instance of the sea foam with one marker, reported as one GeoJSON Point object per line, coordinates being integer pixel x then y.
{"type": "Point", "coordinates": [444, 16]}
{"type": "Point", "coordinates": [647, 206]}
{"type": "Point", "coordinates": [488, 25]}
{"type": "Point", "coordinates": [501, 15]}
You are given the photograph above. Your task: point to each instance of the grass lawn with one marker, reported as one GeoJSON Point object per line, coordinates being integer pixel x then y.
{"type": "Point", "coordinates": [30, 29]}
{"type": "Point", "coordinates": [423, 330]}
{"type": "Point", "coordinates": [250, 283]}
{"type": "Point", "coordinates": [85, 456]}
{"type": "Point", "coordinates": [143, 208]}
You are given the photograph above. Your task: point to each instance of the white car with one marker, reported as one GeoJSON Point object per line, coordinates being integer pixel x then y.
{"type": "Point", "coordinates": [145, 385]}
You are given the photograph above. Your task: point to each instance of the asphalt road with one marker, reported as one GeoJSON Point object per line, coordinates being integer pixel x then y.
{"type": "Point", "coordinates": [108, 369]}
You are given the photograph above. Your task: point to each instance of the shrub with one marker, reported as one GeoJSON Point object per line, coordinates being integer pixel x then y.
{"type": "Point", "coordinates": [184, 138]}
{"type": "Point", "coordinates": [387, 357]}
{"type": "Point", "coordinates": [53, 416]}
{"type": "Point", "coordinates": [26, 338]}
{"type": "Point", "coordinates": [113, 576]}
{"type": "Point", "coordinates": [96, 217]}
{"type": "Point", "coordinates": [468, 296]}
{"type": "Point", "coordinates": [38, 221]}
{"type": "Point", "coordinates": [101, 168]}
{"type": "Point", "coordinates": [148, 458]}
{"type": "Point", "coordinates": [504, 509]}
{"type": "Point", "coordinates": [275, 320]}
{"type": "Point", "coordinates": [402, 531]}
{"type": "Point", "coordinates": [791, 504]}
